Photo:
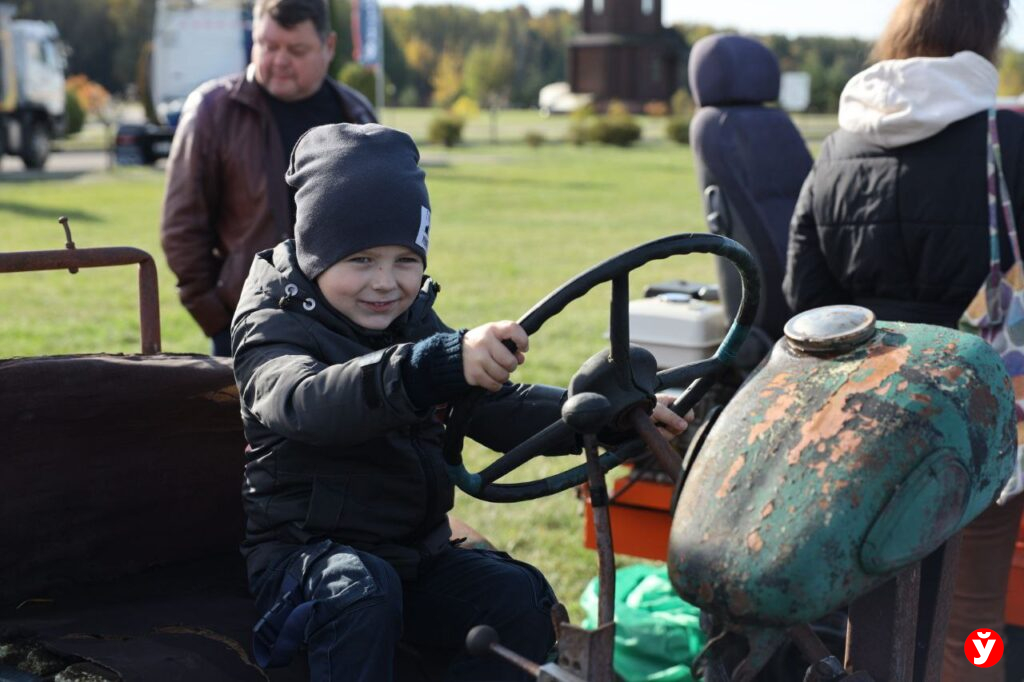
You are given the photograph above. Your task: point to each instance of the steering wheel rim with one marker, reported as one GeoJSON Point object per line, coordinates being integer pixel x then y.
{"type": "Point", "coordinates": [698, 376]}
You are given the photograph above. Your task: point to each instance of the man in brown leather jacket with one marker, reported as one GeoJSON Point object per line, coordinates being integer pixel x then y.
{"type": "Point", "coordinates": [226, 198]}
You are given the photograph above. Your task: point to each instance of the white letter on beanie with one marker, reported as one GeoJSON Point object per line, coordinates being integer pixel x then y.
{"type": "Point", "coordinates": [423, 238]}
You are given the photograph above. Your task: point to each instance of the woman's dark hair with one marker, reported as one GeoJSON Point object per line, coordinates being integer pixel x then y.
{"type": "Point", "coordinates": [290, 13]}
{"type": "Point", "coordinates": [941, 28]}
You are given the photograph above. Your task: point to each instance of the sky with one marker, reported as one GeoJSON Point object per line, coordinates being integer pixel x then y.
{"type": "Point", "coordinates": [859, 18]}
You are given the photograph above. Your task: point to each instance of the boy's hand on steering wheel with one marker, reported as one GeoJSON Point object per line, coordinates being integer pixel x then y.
{"type": "Point", "coordinates": [486, 361]}
{"type": "Point", "coordinates": [668, 422]}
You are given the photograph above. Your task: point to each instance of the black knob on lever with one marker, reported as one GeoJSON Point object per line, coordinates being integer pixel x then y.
{"type": "Point", "coordinates": [483, 640]}
{"type": "Point", "coordinates": [480, 640]}
{"type": "Point", "coordinates": [587, 413]}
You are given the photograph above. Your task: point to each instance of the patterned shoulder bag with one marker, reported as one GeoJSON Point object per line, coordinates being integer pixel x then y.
{"type": "Point", "coordinates": [996, 313]}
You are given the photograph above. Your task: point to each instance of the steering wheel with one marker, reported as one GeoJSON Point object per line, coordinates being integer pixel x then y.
{"type": "Point", "coordinates": [612, 390]}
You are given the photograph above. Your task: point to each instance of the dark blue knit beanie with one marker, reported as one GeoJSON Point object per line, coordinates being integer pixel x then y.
{"type": "Point", "coordinates": [357, 187]}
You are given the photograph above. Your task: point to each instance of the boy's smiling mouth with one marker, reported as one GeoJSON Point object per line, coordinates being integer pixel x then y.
{"type": "Point", "coordinates": [379, 306]}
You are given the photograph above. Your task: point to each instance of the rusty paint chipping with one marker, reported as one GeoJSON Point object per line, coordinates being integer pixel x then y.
{"type": "Point", "coordinates": [739, 601]}
{"type": "Point", "coordinates": [754, 541]}
{"type": "Point", "coordinates": [951, 373]}
{"type": "Point", "coordinates": [734, 470]}
{"type": "Point", "coordinates": [848, 443]}
{"type": "Point", "coordinates": [833, 417]}
{"type": "Point", "coordinates": [706, 592]}
{"type": "Point", "coordinates": [780, 380]}
{"type": "Point", "coordinates": [779, 410]}
{"type": "Point", "coordinates": [768, 509]}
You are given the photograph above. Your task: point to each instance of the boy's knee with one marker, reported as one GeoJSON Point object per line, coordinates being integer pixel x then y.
{"type": "Point", "coordinates": [350, 581]}
{"type": "Point", "coordinates": [524, 597]}
{"type": "Point", "coordinates": [534, 586]}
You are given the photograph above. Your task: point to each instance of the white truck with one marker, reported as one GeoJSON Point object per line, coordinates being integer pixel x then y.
{"type": "Point", "coordinates": [32, 66]}
{"type": "Point", "coordinates": [193, 41]}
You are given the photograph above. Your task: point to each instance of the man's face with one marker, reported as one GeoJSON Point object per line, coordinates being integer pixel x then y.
{"type": "Point", "coordinates": [373, 287]}
{"type": "Point", "coordinates": [291, 63]}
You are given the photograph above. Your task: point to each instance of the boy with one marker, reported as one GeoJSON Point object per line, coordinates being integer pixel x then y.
{"type": "Point", "coordinates": [341, 363]}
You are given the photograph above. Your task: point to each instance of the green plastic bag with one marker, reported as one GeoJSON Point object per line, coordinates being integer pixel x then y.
{"type": "Point", "coordinates": [657, 634]}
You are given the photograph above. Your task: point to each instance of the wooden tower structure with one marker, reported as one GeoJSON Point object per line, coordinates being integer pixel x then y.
{"type": "Point", "coordinates": [624, 53]}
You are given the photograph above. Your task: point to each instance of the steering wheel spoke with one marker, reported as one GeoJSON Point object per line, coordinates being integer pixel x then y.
{"type": "Point", "coordinates": [532, 447]}
{"type": "Point", "coordinates": [619, 329]}
{"type": "Point", "coordinates": [685, 375]}
{"type": "Point", "coordinates": [666, 456]}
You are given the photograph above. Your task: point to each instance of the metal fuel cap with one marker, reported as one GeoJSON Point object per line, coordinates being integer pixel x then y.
{"type": "Point", "coordinates": [832, 329]}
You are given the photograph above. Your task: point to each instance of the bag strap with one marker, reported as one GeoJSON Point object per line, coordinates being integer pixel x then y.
{"type": "Point", "coordinates": [996, 187]}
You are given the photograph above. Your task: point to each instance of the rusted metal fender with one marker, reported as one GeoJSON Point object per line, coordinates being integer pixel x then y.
{"type": "Point", "coordinates": [827, 474]}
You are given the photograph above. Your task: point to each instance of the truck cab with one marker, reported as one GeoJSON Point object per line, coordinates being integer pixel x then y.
{"type": "Point", "coordinates": [32, 67]}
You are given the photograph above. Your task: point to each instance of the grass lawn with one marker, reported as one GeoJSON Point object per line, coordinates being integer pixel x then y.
{"type": "Point", "coordinates": [510, 224]}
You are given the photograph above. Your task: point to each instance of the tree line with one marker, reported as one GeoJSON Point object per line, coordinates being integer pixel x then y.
{"type": "Point", "coordinates": [435, 54]}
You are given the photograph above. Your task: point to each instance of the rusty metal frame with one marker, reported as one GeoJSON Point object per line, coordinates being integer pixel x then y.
{"type": "Point", "coordinates": [74, 258]}
{"type": "Point", "coordinates": [896, 632]}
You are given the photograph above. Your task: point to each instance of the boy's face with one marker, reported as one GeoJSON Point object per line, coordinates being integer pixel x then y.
{"type": "Point", "coordinates": [375, 286]}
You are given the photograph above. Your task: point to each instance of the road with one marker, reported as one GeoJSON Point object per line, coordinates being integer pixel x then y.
{"type": "Point", "coordinates": [60, 165]}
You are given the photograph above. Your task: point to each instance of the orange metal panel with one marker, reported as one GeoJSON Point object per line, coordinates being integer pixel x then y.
{"type": "Point", "coordinates": [640, 518]}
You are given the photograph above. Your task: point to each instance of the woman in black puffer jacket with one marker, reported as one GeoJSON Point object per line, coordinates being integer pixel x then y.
{"type": "Point", "coordinates": [894, 217]}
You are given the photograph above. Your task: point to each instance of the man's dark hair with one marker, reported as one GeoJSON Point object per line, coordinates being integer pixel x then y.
{"type": "Point", "coordinates": [290, 13]}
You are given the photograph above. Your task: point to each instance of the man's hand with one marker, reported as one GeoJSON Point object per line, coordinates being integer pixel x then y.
{"type": "Point", "coordinates": [668, 422]}
{"type": "Point", "coordinates": [486, 362]}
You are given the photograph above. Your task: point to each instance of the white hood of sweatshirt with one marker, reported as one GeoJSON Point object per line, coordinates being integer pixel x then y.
{"type": "Point", "coordinates": [901, 101]}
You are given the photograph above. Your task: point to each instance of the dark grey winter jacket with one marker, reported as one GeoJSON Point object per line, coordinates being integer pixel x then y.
{"type": "Point", "coordinates": [336, 448]}
{"type": "Point", "coordinates": [903, 230]}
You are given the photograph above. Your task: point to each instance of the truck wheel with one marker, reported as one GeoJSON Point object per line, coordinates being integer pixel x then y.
{"type": "Point", "coordinates": [36, 147]}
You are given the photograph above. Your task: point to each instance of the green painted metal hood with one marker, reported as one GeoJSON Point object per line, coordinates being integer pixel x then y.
{"type": "Point", "coordinates": [827, 474]}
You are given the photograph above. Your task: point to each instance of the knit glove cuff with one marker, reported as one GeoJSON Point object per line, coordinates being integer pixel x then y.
{"type": "Point", "coordinates": [433, 372]}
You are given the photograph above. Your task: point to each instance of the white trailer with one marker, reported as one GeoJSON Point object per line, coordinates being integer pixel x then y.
{"type": "Point", "coordinates": [193, 41]}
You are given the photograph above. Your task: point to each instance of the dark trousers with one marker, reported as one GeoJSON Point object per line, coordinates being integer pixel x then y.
{"type": "Point", "coordinates": [361, 611]}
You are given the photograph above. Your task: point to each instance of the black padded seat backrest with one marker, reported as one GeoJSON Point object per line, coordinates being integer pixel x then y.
{"type": "Point", "coordinates": [751, 163]}
{"type": "Point", "coordinates": [115, 463]}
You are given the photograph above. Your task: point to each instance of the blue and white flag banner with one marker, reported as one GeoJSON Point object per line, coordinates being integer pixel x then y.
{"type": "Point", "coordinates": [367, 32]}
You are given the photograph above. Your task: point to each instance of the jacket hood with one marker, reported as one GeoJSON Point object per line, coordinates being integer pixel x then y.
{"type": "Point", "coordinates": [276, 281]}
{"type": "Point", "coordinates": [902, 101]}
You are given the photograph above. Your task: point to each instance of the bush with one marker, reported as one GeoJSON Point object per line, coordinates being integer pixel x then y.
{"type": "Point", "coordinates": [582, 114]}
{"type": "Point", "coordinates": [361, 78]}
{"type": "Point", "coordinates": [92, 97]}
{"type": "Point", "coordinates": [656, 108]}
{"type": "Point", "coordinates": [618, 109]}
{"type": "Point", "coordinates": [616, 127]}
{"type": "Point", "coordinates": [74, 113]}
{"type": "Point", "coordinates": [578, 133]}
{"type": "Point", "coordinates": [408, 97]}
{"type": "Point", "coordinates": [682, 103]}
{"type": "Point", "coordinates": [534, 139]}
{"type": "Point", "coordinates": [465, 108]}
{"type": "Point", "coordinates": [446, 129]}
{"type": "Point", "coordinates": [618, 130]}
{"type": "Point", "coordinates": [678, 129]}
